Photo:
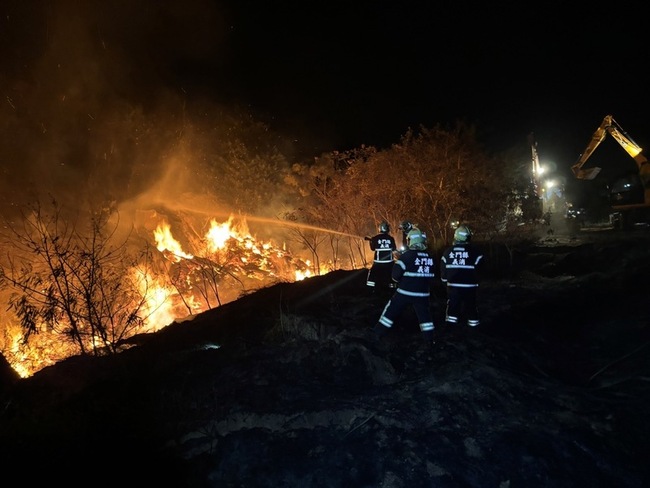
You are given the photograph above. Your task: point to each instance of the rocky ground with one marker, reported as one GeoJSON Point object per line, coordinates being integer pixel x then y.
{"type": "Point", "coordinates": [284, 388]}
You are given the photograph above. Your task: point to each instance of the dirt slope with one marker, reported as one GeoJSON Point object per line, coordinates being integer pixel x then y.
{"type": "Point", "coordinates": [285, 388]}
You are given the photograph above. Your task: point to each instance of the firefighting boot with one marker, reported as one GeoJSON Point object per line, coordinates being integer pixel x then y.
{"type": "Point", "coordinates": [429, 340]}
{"type": "Point", "coordinates": [378, 332]}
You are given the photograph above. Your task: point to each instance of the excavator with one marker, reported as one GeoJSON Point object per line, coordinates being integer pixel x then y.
{"type": "Point", "coordinates": [537, 205]}
{"type": "Point", "coordinates": [629, 196]}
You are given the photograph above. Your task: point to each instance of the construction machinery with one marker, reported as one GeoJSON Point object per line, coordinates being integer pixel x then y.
{"type": "Point", "coordinates": [629, 196]}
{"type": "Point", "coordinates": [535, 208]}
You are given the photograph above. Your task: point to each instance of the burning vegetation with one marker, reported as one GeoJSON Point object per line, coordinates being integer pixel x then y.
{"type": "Point", "coordinates": [91, 136]}
{"type": "Point", "coordinates": [84, 293]}
{"type": "Point", "coordinates": [85, 285]}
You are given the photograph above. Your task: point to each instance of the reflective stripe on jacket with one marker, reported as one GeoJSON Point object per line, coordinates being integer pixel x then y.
{"type": "Point", "coordinates": [414, 272]}
{"type": "Point", "coordinates": [459, 264]}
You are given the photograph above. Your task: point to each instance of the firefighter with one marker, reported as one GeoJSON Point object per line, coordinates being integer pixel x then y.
{"type": "Point", "coordinates": [406, 227]}
{"type": "Point", "coordinates": [383, 245]}
{"type": "Point", "coordinates": [413, 272]}
{"type": "Point", "coordinates": [459, 270]}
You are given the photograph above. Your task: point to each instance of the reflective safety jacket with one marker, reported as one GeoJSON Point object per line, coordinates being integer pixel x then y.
{"type": "Point", "coordinates": [459, 264]}
{"type": "Point", "coordinates": [383, 244]}
{"type": "Point", "coordinates": [414, 272]}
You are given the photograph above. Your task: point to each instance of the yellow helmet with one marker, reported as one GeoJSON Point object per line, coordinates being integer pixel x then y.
{"type": "Point", "coordinates": [417, 240]}
{"type": "Point", "coordinates": [462, 234]}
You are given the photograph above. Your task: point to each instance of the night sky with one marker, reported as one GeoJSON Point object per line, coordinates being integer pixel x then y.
{"type": "Point", "coordinates": [338, 74]}
{"type": "Point", "coordinates": [364, 71]}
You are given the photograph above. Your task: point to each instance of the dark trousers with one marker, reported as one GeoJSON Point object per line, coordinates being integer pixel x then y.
{"type": "Point", "coordinates": [379, 276]}
{"type": "Point", "coordinates": [399, 302]}
{"type": "Point", "coordinates": [461, 300]}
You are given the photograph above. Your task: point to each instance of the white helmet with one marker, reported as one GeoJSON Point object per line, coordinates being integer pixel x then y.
{"type": "Point", "coordinates": [462, 234]}
{"type": "Point", "coordinates": [417, 240]}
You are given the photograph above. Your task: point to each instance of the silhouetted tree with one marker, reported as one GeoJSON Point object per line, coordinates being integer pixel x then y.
{"type": "Point", "coordinates": [330, 203]}
{"type": "Point", "coordinates": [432, 177]}
{"type": "Point", "coordinates": [71, 279]}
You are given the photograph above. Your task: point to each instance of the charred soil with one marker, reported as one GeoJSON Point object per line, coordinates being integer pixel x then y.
{"type": "Point", "coordinates": [285, 387]}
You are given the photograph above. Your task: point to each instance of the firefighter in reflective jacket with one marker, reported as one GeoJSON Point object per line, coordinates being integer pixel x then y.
{"type": "Point", "coordinates": [383, 245]}
{"type": "Point", "coordinates": [459, 266]}
{"type": "Point", "coordinates": [413, 273]}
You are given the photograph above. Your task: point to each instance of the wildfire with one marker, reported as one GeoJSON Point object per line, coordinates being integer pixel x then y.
{"type": "Point", "coordinates": [166, 242]}
{"type": "Point", "coordinates": [226, 262]}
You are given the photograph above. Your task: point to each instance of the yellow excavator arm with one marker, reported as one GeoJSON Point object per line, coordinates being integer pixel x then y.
{"type": "Point", "coordinates": [611, 127]}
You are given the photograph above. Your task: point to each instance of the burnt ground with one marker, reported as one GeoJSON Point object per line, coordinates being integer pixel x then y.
{"type": "Point", "coordinates": [284, 388]}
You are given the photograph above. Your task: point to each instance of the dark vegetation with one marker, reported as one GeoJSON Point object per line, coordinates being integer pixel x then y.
{"type": "Point", "coordinates": [283, 387]}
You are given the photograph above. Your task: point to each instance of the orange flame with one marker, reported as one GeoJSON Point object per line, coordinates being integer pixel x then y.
{"type": "Point", "coordinates": [227, 262]}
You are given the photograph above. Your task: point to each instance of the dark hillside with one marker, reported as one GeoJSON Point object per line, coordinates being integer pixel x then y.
{"type": "Point", "coordinates": [285, 388]}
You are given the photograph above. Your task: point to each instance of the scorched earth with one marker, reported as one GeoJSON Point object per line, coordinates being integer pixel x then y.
{"type": "Point", "coordinates": [283, 387]}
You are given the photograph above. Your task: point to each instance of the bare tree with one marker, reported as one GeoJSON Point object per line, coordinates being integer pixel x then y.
{"type": "Point", "coordinates": [432, 177]}
{"type": "Point", "coordinates": [331, 204]}
{"type": "Point", "coordinates": [73, 280]}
